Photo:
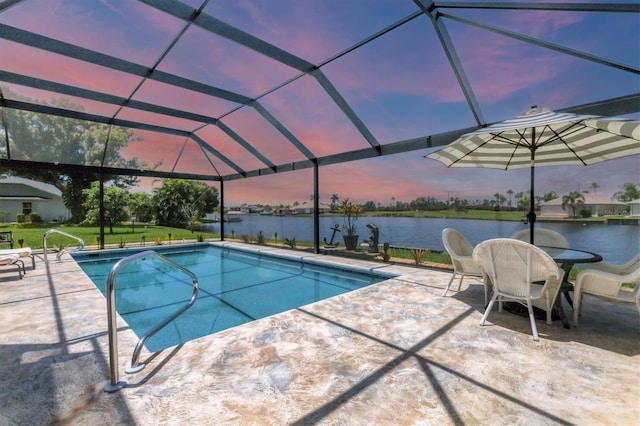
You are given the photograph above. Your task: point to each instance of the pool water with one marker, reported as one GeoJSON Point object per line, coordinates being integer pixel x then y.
{"type": "Point", "coordinates": [235, 287]}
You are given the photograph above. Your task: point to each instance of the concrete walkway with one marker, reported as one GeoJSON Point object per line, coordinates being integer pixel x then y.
{"type": "Point", "coordinates": [394, 353]}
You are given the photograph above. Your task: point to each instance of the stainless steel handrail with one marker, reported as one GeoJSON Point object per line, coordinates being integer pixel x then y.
{"type": "Point", "coordinates": [116, 384]}
{"type": "Point", "coordinates": [57, 231]}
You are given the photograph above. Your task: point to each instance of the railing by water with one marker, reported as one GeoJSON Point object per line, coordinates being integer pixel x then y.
{"type": "Point", "coordinates": [116, 384]}
{"type": "Point", "coordinates": [62, 250]}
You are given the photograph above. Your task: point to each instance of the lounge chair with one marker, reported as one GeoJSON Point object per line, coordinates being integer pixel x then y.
{"type": "Point", "coordinates": [21, 252]}
{"type": "Point", "coordinates": [460, 250]}
{"type": "Point", "coordinates": [12, 259]}
{"type": "Point", "coordinates": [609, 285]}
{"type": "Point", "coordinates": [519, 271]}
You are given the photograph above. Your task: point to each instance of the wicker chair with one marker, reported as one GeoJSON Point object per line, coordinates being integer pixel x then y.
{"type": "Point", "coordinates": [614, 268]}
{"type": "Point", "coordinates": [542, 237]}
{"type": "Point", "coordinates": [460, 250]}
{"type": "Point", "coordinates": [12, 259]}
{"type": "Point", "coordinates": [608, 285]}
{"type": "Point", "coordinates": [519, 271]}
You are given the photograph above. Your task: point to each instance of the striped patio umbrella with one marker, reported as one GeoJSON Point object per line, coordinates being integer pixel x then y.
{"type": "Point", "coordinates": [543, 138]}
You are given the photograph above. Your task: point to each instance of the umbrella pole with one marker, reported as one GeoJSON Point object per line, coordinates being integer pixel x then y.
{"type": "Point", "coordinates": [532, 212]}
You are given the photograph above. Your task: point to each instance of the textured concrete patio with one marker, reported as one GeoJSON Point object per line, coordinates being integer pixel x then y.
{"type": "Point", "coordinates": [394, 353]}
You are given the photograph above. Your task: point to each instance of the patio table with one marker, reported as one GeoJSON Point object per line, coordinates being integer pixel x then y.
{"type": "Point", "coordinates": [566, 258]}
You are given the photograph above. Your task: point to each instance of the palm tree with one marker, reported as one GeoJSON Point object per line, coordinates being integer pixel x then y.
{"type": "Point", "coordinates": [510, 192]}
{"type": "Point", "coordinates": [630, 191]}
{"type": "Point", "coordinates": [335, 198]}
{"type": "Point", "coordinates": [595, 187]}
{"type": "Point", "coordinates": [550, 196]}
{"type": "Point", "coordinates": [574, 200]}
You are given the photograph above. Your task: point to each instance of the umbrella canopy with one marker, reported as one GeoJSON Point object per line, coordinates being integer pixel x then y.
{"type": "Point", "coordinates": [543, 138]}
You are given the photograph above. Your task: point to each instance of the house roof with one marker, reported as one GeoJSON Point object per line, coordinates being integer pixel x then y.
{"type": "Point", "coordinates": [15, 180]}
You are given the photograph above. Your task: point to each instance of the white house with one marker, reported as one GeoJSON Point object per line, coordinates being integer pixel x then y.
{"type": "Point", "coordinates": [634, 207]}
{"type": "Point", "coordinates": [599, 206]}
{"type": "Point", "coordinates": [20, 195]}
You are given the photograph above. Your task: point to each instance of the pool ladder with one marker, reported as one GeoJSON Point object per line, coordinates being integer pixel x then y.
{"type": "Point", "coordinates": [64, 250]}
{"type": "Point", "coordinates": [116, 384]}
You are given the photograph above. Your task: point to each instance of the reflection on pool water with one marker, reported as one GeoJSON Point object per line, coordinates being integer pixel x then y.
{"type": "Point", "coordinates": [236, 287]}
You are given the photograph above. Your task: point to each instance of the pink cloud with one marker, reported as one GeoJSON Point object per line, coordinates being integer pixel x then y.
{"type": "Point", "coordinates": [100, 27]}
{"type": "Point", "coordinates": [265, 138]}
{"type": "Point", "coordinates": [499, 67]}
{"type": "Point", "coordinates": [544, 24]}
{"type": "Point", "coordinates": [37, 63]}
{"type": "Point", "coordinates": [187, 100]}
{"type": "Point", "coordinates": [313, 117]}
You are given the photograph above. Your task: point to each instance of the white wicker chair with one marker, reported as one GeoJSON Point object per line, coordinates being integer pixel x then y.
{"type": "Point", "coordinates": [615, 268]}
{"type": "Point", "coordinates": [608, 285]}
{"type": "Point", "coordinates": [460, 250]}
{"type": "Point", "coordinates": [12, 259]}
{"type": "Point", "coordinates": [519, 271]}
{"type": "Point", "coordinates": [542, 237]}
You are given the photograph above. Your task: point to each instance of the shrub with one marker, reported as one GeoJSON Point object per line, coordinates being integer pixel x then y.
{"type": "Point", "coordinates": [245, 238]}
{"type": "Point", "coordinates": [260, 238]}
{"type": "Point", "coordinates": [20, 217]}
{"type": "Point", "coordinates": [194, 226]}
{"type": "Point", "coordinates": [35, 217]}
{"type": "Point", "coordinates": [585, 213]}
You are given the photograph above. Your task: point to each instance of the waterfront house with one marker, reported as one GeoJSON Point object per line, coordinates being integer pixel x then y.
{"type": "Point", "coordinates": [598, 205]}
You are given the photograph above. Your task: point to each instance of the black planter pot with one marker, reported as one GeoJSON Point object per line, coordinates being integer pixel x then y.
{"type": "Point", "coordinates": [350, 241]}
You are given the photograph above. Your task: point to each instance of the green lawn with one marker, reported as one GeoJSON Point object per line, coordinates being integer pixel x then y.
{"type": "Point", "coordinates": [33, 236]}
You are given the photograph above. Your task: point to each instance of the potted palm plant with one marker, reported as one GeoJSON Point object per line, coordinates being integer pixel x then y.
{"type": "Point", "coordinates": [350, 212]}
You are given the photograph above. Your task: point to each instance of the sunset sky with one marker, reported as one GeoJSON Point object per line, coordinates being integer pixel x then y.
{"type": "Point", "coordinates": [400, 85]}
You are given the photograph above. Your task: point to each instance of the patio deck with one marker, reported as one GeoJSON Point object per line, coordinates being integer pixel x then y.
{"type": "Point", "coordinates": [394, 353]}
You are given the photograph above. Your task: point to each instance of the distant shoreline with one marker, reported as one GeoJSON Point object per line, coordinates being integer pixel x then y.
{"type": "Point", "coordinates": [510, 216]}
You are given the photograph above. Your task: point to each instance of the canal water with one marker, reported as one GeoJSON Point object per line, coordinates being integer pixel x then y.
{"type": "Point", "coordinates": [615, 243]}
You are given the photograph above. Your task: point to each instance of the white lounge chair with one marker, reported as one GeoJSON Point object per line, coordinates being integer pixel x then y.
{"type": "Point", "coordinates": [12, 259]}
{"type": "Point", "coordinates": [519, 271]}
{"type": "Point", "coordinates": [460, 250]}
{"type": "Point", "coordinates": [21, 252]}
{"type": "Point", "coordinates": [609, 285]}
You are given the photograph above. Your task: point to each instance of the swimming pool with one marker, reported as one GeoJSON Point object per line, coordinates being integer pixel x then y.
{"type": "Point", "coordinates": [235, 287]}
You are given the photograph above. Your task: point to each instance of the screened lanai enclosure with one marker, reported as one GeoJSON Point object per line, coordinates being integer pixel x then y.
{"type": "Point", "coordinates": [228, 91]}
